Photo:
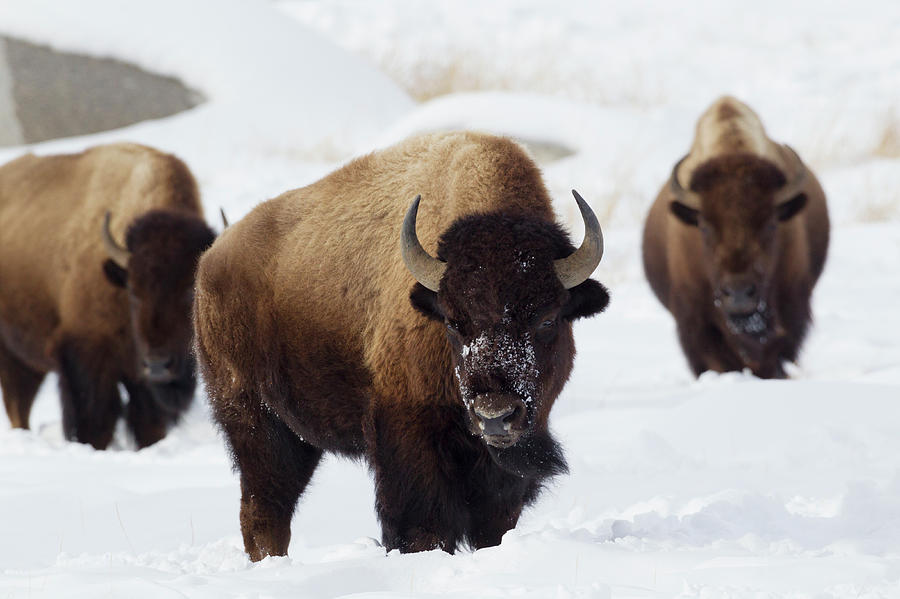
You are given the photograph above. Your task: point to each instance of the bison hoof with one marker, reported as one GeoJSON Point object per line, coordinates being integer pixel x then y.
{"type": "Point", "coordinates": [417, 539]}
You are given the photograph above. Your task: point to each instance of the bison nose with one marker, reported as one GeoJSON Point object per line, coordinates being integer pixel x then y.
{"type": "Point", "coordinates": [500, 418]}
{"type": "Point", "coordinates": [158, 369]}
{"type": "Point", "coordinates": [740, 297]}
{"type": "Point", "coordinates": [496, 423]}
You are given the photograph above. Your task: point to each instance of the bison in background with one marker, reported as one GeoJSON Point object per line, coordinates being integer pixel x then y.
{"type": "Point", "coordinates": [74, 300]}
{"type": "Point", "coordinates": [734, 244]}
{"type": "Point", "coordinates": [313, 335]}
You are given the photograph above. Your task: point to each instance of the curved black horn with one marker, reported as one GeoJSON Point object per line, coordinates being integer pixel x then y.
{"type": "Point", "coordinates": [578, 266]}
{"type": "Point", "coordinates": [427, 269]}
{"type": "Point", "coordinates": [117, 253]}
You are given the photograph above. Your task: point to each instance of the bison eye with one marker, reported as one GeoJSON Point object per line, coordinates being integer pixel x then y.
{"type": "Point", "coordinates": [546, 330]}
{"type": "Point", "coordinates": [454, 327]}
{"type": "Point", "coordinates": [546, 327]}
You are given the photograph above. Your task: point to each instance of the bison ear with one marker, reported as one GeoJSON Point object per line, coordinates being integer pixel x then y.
{"type": "Point", "coordinates": [117, 275]}
{"type": "Point", "coordinates": [586, 299]}
{"type": "Point", "coordinates": [425, 301]}
{"type": "Point", "coordinates": [790, 208]}
{"type": "Point", "coordinates": [687, 215]}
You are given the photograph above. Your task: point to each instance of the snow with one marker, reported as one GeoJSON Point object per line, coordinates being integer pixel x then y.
{"type": "Point", "coordinates": [726, 486]}
{"type": "Point", "coordinates": [500, 351]}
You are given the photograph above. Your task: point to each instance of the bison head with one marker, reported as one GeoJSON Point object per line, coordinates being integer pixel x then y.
{"type": "Point", "coordinates": [738, 203]}
{"type": "Point", "coordinates": [157, 267]}
{"type": "Point", "coordinates": [507, 287]}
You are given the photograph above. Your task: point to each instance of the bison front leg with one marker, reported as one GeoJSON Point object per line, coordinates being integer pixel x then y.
{"type": "Point", "coordinates": [275, 466]}
{"type": "Point", "coordinates": [770, 369]}
{"type": "Point", "coordinates": [705, 347]}
{"type": "Point", "coordinates": [89, 392]}
{"type": "Point", "coordinates": [492, 517]}
{"type": "Point", "coordinates": [153, 409]}
{"type": "Point", "coordinates": [19, 384]}
{"type": "Point", "coordinates": [147, 420]}
{"type": "Point", "coordinates": [419, 485]}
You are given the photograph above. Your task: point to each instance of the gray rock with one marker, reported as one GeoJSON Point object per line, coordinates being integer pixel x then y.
{"type": "Point", "coordinates": [45, 94]}
{"type": "Point", "coordinates": [10, 131]}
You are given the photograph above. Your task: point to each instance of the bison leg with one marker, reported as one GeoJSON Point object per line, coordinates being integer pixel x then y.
{"type": "Point", "coordinates": [89, 392]}
{"type": "Point", "coordinates": [795, 317]}
{"type": "Point", "coordinates": [153, 409]}
{"type": "Point", "coordinates": [146, 420]}
{"type": "Point", "coordinates": [492, 518]}
{"type": "Point", "coordinates": [489, 527]}
{"type": "Point", "coordinates": [771, 369]}
{"type": "Point", "coordinates": [437, 486]}
{"type": "Point", "coordinates": [275, 466]}
{"type": "Point", "coordinates": [19, 384]}
{"type": "Point", "coordinates": [705, 347]}
{"type": "Point", "coordinates": [420, 482]}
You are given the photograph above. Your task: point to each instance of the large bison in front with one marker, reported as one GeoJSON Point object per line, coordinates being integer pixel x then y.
{"type": "Point", "coordinates": [75, 300]}
{"type": "Point", "coordinates": [735, 243]}
{"type": "Point", "coordinates": [314, 335]}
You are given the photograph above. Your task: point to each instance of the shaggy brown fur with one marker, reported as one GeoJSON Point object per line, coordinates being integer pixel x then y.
{"type": "Point", "coordinates": [737, 271]}
{"type": "Point", "coordinates": [65, 306]}
{"type": "Point", "coordinates": [308, 340]}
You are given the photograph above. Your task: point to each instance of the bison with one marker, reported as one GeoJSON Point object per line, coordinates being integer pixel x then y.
{"type": "Point", "coordinates": [734, 244]}
{"type": "Point", "coordinates": [75, 301]}
{"type": "Point", "coordinates": [317, 330]}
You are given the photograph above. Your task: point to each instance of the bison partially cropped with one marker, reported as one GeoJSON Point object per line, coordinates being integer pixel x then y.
{"type": "Point", "coordinates": [734, 244]}
{"type": "Point", "coordinates": [313, 335]}
{"type": "Point", "coordinates": [76, 301]}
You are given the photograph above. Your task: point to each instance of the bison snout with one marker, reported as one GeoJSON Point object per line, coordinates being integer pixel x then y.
{"type": "Point", "coordinates": [159, 369]}
{"type": "Point", "coordinates": [500, 418]}
{"type": "Point", "coordinates": [739, 296]}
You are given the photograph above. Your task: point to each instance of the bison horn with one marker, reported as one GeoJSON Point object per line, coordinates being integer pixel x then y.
{"type": "Point", "coordinates": [224, 218]}
{"type": "Point", "coordinates": [578, 266]}
{"type": "Point", "coordinates": [427, 269]}
{"type": "Point", "coordinates": [795, 185]}
{"type": "Point", "coordinates": [116, 252]}
{"type": "Point", "coordinates": [686, 197]}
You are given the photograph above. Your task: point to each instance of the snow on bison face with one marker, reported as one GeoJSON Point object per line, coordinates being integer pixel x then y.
{"type": "Point", "coordinates": [507, 287]}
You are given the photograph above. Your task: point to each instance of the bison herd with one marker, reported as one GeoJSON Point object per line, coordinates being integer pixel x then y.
{"type": "Point", "coordinates": [413, 309]}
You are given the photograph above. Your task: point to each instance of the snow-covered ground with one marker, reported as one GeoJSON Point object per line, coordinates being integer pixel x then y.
{"type": "Point", "coordinates": [726, 486]}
